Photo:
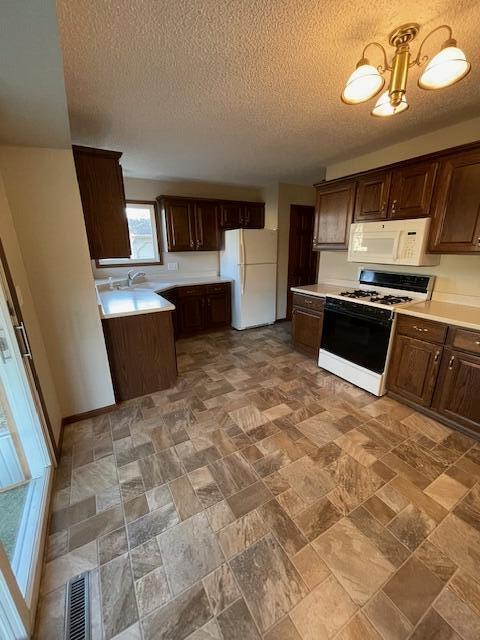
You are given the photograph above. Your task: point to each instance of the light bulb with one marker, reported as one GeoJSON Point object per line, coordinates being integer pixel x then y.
{"type": "Point", "coordinates": [364, 83]}
{"type": "Point", "coordinates": [384, 108]}
{"type": "Point", "coordinates": [447, 67]}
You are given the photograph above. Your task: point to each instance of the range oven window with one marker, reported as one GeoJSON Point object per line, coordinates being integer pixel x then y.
{"type": "Point", "coordinates": [358, 335]}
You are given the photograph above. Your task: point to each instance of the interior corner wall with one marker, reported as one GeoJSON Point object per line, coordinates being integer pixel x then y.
{"type": "Point", "coordinates": [17, 269]}
{"type": "Point", "coordinates": [288, 194]}
{"type": "Point", "coordinates": [44, 200]}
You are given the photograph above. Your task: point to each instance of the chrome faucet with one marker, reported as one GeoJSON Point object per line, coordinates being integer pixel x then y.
{"type": "Point", "coordinates": [133, 275]}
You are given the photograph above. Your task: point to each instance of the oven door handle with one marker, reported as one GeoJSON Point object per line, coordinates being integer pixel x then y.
{"type": "Point", "coordinates": [348, 314]}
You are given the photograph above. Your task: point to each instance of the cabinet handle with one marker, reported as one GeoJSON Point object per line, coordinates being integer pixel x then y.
{"type": "Point", "coordinates": [477, 341]}
{"type": "Point", "coordinates": [437, 355]}
{"type": "Point", "coordinates": [308, 302]}
{"type": "Point", "coordinates": [393, 206]}
{"type": "Point", "coordinates": [420, 328]}
{"type": "Point", "coordinates": [450, 364]}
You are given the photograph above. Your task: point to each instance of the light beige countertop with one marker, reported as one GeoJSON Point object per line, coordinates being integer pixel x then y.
{"type": "Point", "coordinates": [142, 297]}
{"type": "Point", "coordinates": [321, 290]}
{"type": "Point", "coordinates": [447, 312]}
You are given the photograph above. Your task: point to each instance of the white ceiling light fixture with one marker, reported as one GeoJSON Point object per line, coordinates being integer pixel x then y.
{"type": "Point", "coordinates": [446, 68]}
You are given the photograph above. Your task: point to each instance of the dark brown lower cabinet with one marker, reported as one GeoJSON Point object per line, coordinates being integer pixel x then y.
{"type": "Point", "coordinates": [203, 308]}
{"type": "Point", "coordinates": [307, 324]}
{"type": "Point", "coordinates": [458, 390]}
{"type": "Point", "coordinates": [141, 353]}
{"type": "Point", "coordinates": [439, 375]}
{"type": "Point", "coordinates": [414, 368]}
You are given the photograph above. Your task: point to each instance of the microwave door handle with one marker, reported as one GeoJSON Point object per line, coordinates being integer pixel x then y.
{"type": "Point", "coordinates": [396, 246]}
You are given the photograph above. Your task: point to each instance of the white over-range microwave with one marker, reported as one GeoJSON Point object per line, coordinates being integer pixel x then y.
{"type": "Point", "coordinates": [402, 242]}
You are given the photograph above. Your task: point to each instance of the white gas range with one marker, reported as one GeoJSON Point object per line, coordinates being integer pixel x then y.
{"type": "Point", "coordinates": [357, 327]}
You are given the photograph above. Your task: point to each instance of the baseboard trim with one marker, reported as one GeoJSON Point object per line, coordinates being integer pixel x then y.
{"type": "Point", "coordinates": [88, 414]}
{"type": "Point", "coordinates": [434, 415]}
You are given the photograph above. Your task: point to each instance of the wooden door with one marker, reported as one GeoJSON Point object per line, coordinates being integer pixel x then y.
{"type": "Point", "coordinates": [457, 394]}
{"type": "Point", "coordinates": [411, 191]}
{"type": "Point", "coordinates": [179, 221]}
{"type": "Point", "coordinates": [230, 215]}
{"type": "Point", "coordinates": [190, 314]}
{"type": "Point", "coordinates": [456, 218]}
{"type": "Point", "coordinates": [217, 310]}
{"type": "Point", "coordinates": [413, 369]}
{"type": "Point", "coordinates": [253, 215]}
{"type": "Point", "coordinates": [307, 331]}
{"type": "Point", "coordinates": [372, 196]}
{"type": "Point", "coordinates": [333, 215]}
{"type": "Point", "coordinates": [100, 182]}
{"type": "Point", "coordinates": [302, 260]}
{"type": "Point", "coordinates": [207, 233]}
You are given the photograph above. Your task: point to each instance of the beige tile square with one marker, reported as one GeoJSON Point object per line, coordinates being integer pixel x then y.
{"type": "Point", "coordinates": [324, 611]}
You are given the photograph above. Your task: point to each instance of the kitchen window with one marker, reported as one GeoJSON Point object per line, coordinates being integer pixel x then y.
{"type": "Point", "coordinates": [144, 231]}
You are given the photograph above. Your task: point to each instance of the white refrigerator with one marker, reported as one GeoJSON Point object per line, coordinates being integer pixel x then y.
{"type": "Point", "coordinates": [249, 259]}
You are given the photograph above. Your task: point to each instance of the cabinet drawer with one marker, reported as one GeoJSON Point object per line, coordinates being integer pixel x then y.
{"type": "Point", "coordinates": [422, 329]}
{"type": "Point", "coordinates": [221, 287]}
{"type": "Point", "coordinates": [308, 302]}
{"type": "Point", "coordinates": [464, 340]}
{"type": "Point", "coordinates": [196, 290]}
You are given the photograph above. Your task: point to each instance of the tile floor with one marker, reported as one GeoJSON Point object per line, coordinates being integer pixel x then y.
{"type": "Point", "coordinates": [265, 498]}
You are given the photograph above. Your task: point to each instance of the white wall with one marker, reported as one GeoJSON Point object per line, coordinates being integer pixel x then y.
{"type": "Point", "coordinates": [457, 276]}
{"type": "Point", "coordinates": [189, 263]}
{"type": "Point", "coordinates": [460, 133]}
{"type": "Point", "coordinates": [19, 276]}
{"type": "Point", "coordinates": [44, 200]}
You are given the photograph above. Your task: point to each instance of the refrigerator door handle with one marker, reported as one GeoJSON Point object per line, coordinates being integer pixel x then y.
{"type": "Point", "coordinates": [242, 250]}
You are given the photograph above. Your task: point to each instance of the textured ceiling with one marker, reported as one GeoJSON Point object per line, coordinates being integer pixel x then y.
{"type": "Point", "coordinates": [245, 91]}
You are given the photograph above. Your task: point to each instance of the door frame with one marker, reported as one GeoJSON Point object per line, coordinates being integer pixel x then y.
{"type": "Point", "coordinates": [290, 247]}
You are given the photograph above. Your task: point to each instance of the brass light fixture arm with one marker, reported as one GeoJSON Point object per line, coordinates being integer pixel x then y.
{"type": "Point", "coordinates": [385, 66]}
{"type": "Point", "coordinates": [421, 60]}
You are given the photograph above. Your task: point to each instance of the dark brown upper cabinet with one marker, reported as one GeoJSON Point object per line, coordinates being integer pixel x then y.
{"type": "Point", "coordinates": [206, 226]}
{"type": "Point", "coordinates": [456, 217]}
{"type": "Point", "coordinates": [333, 215]}
{"type": "Point", "coordinates": [242, 215]}
{"type": "Point", "coordinates": [180, 224]}
{"type": "Point", "coordinates": [411, 190]}
{"type": "Point", "coordinates": [192, 225]}
{"type": "Point", "coordinates": [253, 215]}
{"type": "Point", "coordinates": [100, 181]}
{"type": "Point", "coordinates": [230, 215]}
{"type": "Point", "coordinates": [373, 191]}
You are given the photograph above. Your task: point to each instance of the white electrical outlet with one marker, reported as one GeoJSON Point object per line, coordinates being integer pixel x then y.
{"type": "Point", "coordinates": [172, 266]}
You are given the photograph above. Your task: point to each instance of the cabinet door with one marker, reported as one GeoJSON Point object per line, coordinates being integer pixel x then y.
{"type": "Point", "coordinates": [414, 369]}
{"type": "Point", "coordinates": [307, 331]}
{"type": "Point", "coordinates": [456, 218]}
{"type": "Point", "coordinates": [412, 190]}
{"type": "Point", "coordinates": [100, 182]}
{"type": "Point", "coordinates": [206, 226]}
{"type": "Point", "coordinates": [253, 215]}
{"type": "Point", "coordinates": [218, 310]}
{"type": "Point", "coordinates": [230, 215]}
{"type": "Point", "coordinates": [190, 314]}
{"type": "Point", "coordinates": [457, 394]}
{"type": "Point", "coordinates": [372, 196]}
{"type": "Point", "coordinates": [179, 220]}
{"type": "Point", "coordinates": [333, 215]}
